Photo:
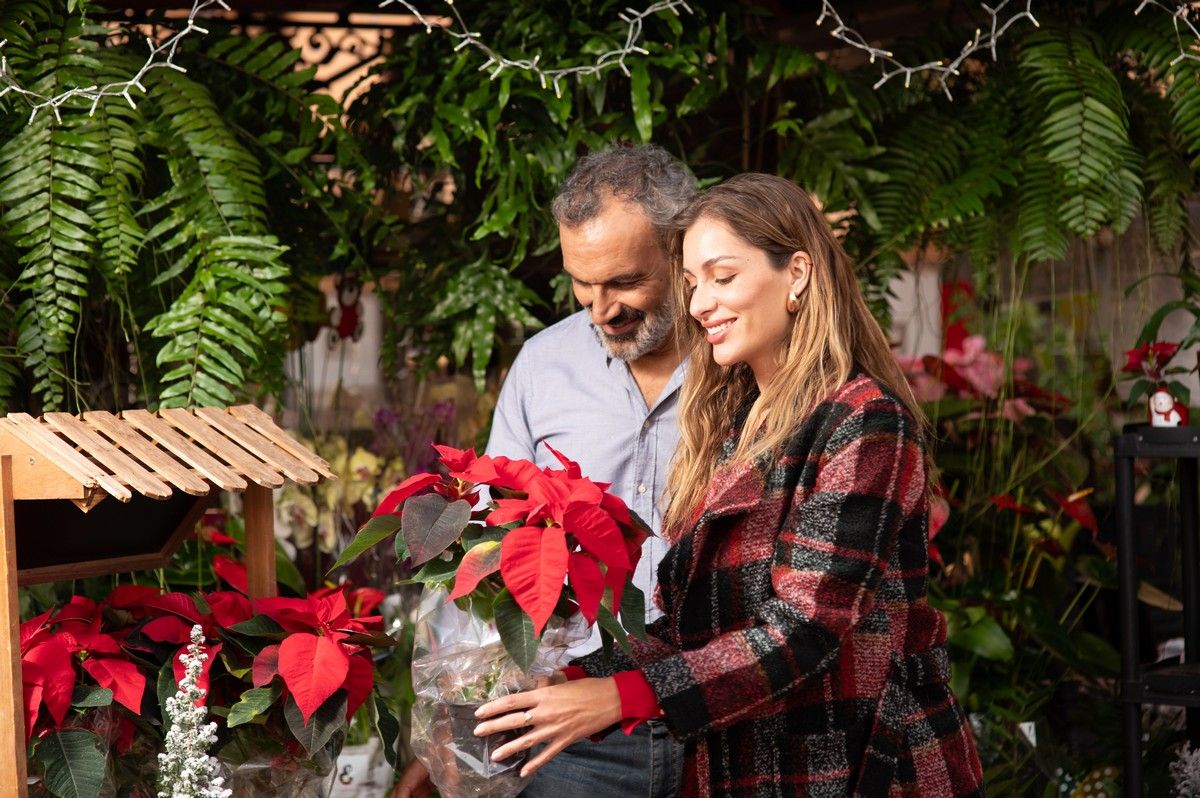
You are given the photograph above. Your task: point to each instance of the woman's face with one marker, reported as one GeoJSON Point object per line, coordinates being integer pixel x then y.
{"type": "Point", "coordinates": [738, 297]}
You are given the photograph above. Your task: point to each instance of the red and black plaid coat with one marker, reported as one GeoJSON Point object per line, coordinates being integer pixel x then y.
{"type": "Point", "coordinates": [798, 655]}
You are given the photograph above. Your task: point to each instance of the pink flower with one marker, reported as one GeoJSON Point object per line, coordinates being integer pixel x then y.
{"type": "Point", "coordinates": [926, 387]}
{"type": "Point", "coordinates": [982, 370]}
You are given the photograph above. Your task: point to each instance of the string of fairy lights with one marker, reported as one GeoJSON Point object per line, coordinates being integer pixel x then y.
{"type": "Point", "coordinates": [1179, 13]}
{"type": "Point", "coordinates": [497, 63]}
{"type": "Point", "coordinates": [942, 69]}
{"type": "Point", "coordinates": [1001, 19]}
{"type": "Point", "coordinates": [162, 56]}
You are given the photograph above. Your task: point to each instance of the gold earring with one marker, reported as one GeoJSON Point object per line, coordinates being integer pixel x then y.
{"type": "Point", "coordinates": [793, 302]}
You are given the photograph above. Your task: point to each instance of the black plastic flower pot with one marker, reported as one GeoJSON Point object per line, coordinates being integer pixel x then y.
{"type": "Point", "coordinates": [475, 753]}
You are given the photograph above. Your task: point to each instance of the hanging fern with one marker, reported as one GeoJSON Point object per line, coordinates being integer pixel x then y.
{"type": "Point", "coordinates": [142, 246]}
{"type": "Point", "coordinates": [48, 179]}
{"type": "Point", "coordinates": [213, 226]}
{"type": "Point", "coordinates": [1085, 128]}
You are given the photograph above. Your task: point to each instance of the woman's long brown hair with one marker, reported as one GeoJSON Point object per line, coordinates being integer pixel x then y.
{"type": "Point", "coordinates": [832, 334]}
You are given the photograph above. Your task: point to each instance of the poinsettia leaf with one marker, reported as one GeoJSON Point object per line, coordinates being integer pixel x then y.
{"type": "Point", "coordinates": [313, 667]}
{"type": "Point", "coordinates": [516, 631]}
{"type": "Point", "coordinates": [430, 524]}
{"type": "Point", "coordinates": [232, 572]}
{"type": "Point", "coordinates": [478, 563]}
{"type": "Point", "coordinates": [315, 730]}
{"type": "Point", "coordinates": [168, 629]}
{"type": "Point", "coordinates": [587, 580]}
{"type": "Point", "coordinates": [633, 610]}
{"type": "Point", "coordinates": [360, 679]}
{"type": "Point", "coordinates": [266, 666]}
{"type": "Point", "coordinates": [229, 608]}
{"type": "Point", "coordinates": [202, 682]}
{"type": "Point", "coordinates": [372, 639]}
{"type": "Point", "coordinates": [387, 727]}
{"type": "Point", "coordinates": [608, 622]}
{"type": "Point", "coordinates": [54, 661]}
{"type": "Point", "coordinates": [124, 678]}
{"type": "Point", "coordinates": [377, 529]}
{"type": "Point", "coordinates": [73, 763]}
{"type": "Point", "coordinates": [259, 626]}
{"type": "Point", "coordinates": [167, 686]}
{"type": "Point", "coordinates": [391, 503]}
{"type": "Point", "coordinates": [533, 562]}
{"type": "Point", "coordinates": [253, 703]}
{"type": "Point", "coordinates": [88, 695]}
{"type": "Point", "coordinates": [597, 532]}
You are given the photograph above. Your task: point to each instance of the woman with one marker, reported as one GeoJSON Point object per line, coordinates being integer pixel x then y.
{"type": "Point", "coordinates": [798, 654]}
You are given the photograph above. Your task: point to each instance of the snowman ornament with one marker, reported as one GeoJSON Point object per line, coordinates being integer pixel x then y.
{"type": "Point", "coordinates": [1165, 411]}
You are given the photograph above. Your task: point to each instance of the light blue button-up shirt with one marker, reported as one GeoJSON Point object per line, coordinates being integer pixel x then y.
{"type": "Point", "coordinates": [565, 390]}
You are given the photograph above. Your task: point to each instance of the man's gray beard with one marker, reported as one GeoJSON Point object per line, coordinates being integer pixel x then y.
{"type": "Point", "coordinates": [650, 335]}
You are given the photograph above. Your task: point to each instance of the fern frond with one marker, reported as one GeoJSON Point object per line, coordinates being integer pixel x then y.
{"type": "Point", "coordinates": [46, 186]}
{"type": "Point", "coordinates": [213, 226]}
{"type": "Point", "coordinates": [1084, 132]}
{"type": "Point", "coordinates": [1038, 234]}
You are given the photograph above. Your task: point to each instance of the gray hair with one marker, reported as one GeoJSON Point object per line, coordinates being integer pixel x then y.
{"type": "Point", "coordinates": [646, 175]}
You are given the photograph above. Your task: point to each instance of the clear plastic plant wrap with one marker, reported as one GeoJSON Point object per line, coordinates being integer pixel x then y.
{"type": "Point", "coordinates": [281, 772]}
{"type": "Point", "coordinates": [460, 663]}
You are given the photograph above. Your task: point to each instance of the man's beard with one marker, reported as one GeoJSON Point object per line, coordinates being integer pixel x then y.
{"type": "Point", "coordinates": [648, 336]}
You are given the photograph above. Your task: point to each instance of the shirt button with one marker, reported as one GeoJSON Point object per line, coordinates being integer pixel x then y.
{"type": "Point", "coordinates": [641, 488]}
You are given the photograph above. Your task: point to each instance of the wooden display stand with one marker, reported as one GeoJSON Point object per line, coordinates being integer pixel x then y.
{"type": "Point", "coordinates": [165, 469]}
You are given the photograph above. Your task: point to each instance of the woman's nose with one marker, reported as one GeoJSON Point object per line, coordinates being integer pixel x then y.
{"type": "Point", "coordinates": [701, 302]}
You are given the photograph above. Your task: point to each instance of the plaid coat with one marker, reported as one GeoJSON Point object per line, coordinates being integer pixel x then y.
{"type": "Point", "coordinates": [798, 655]}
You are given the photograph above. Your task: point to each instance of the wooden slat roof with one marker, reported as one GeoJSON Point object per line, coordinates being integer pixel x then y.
{"type": "Point", "coordinates": [152, 454]}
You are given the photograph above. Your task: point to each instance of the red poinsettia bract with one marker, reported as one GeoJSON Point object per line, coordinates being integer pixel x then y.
{"type": "Point", "coordinates": [1150, 358]}
{"type": "Point", "coordinates": [561, 528]}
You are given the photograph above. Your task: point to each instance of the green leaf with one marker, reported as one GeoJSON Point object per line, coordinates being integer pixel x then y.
{"type": "Point", "coordinates": [633, 611]}
{"type": "Point", "coordinates": [643, 116]}
{"type": "Point", "coordinates": [329, 718]}
{"type": "Point", "coordinates": [985, 638]}
{"type": "Point", "coordinates": [87, 695]}
{"type": "Point", "coordinates": [372, 532]}
{"type": "Point", "coordinates": [610, 624]}
{"type": "Point", "coordinates": [516, 630]}
{"type": "Point", "coordinates": [387, 727]}
{"type": "Point", "coordinates": [258, 626]}
{"type": "Point", "coordinates": [430, 524]}
{"type": "Point", "coordinates": [253, 703]}
{"type": "Point", "coordinates": [73, 762]}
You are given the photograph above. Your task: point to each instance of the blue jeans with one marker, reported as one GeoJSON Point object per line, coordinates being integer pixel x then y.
{"type": "Point", "coordinates": [645, 764]}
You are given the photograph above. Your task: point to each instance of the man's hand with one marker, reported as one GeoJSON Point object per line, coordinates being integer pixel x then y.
{"type": "Point", "coordinates": [414, 782]}
{"type": "Point", "coordinates": [557, 716]}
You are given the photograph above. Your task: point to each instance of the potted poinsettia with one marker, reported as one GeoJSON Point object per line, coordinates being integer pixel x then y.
{"type": "Point", "coordinates": [281, 677]}
{"type": "Point", "coordinates": [1159, 381]}
{"type": "Point", "coordinates": [517, 563]}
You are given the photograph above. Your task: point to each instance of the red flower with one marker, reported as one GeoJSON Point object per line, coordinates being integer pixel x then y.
{"type": "Point", "coordinates": [1077, 509]}
{"type": "Point", "coordinates": [1007, 502]}
{"type": "Point", "coordinates": [1150, 358]}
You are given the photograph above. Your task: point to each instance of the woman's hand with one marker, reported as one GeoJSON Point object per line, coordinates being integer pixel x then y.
{"type": "Point", "coordinates": [557, 716]}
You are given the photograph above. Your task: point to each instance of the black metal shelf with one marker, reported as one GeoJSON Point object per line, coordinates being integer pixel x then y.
{"type": "Point", "coordinates": [1172, 683]}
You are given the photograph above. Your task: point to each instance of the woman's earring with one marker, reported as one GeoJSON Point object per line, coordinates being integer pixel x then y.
{"type": "Point", "coordinates": [793, 302]}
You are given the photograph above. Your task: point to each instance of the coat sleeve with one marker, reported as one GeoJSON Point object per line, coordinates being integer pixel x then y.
{"type": "Point", "coordinates": [828, 560]}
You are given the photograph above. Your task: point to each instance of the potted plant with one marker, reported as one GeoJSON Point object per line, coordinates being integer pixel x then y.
{"type": "Point", "coordinates": [281, 678]}
{"type": "Point", "coordinates": [1167, 398]}
{"type": "Point", "coordinates": [512, 578]}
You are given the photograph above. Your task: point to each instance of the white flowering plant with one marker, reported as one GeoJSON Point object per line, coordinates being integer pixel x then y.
{"type": "Point", "coordinates": [185, 769]}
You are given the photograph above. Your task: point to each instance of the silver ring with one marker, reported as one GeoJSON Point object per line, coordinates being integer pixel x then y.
{"type": "Point", "coordinates": [528, 718]}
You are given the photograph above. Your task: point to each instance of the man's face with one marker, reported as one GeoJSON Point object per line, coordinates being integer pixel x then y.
{"type": "Point", "coordinates": [619, 272]}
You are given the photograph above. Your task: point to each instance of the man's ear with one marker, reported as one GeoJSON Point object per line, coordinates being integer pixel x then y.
{"type": "Point", "coordinates": [800, 268]}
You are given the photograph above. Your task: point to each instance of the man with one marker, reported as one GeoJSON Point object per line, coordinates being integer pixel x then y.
{"type": "Point", "coordinates": [601, 386]}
